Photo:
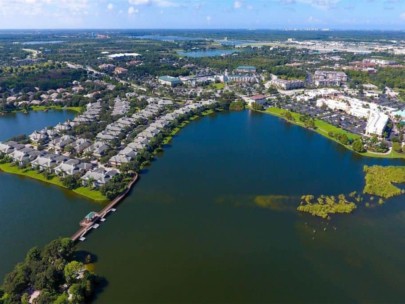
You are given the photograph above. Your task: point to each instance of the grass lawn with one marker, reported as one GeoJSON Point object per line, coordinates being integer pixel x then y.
{"type": "Point", "coordinates": [91, 194]}
{"type": "Point", "coordinates": [381, 181]}
{"type": "Point", "coordinates": [44, 108]}
{"type": "Point", "coordinates": [218, 86]}
{"type": "Point", "coordinates": [208, 112]}
{"type": "Point", "coordinates": [167, 140]}
{"type": "Point", "coordinates": [323, 128]}
{"type": "Point", "coordinates": [194, 117]}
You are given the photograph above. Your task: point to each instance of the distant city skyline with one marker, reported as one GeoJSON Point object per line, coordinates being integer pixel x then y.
{"type": "Point", "coordinates": [203, 14]}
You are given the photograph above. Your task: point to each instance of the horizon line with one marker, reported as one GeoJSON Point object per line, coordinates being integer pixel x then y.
{"type": "Point", "coordinates": [320, 29]}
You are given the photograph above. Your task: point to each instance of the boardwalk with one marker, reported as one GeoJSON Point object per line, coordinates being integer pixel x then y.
{"type": "Point", "coordinates": [100, 216]}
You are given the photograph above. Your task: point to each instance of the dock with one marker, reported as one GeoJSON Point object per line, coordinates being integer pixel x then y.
{"type": "Point", "coordinates": [94, 219]}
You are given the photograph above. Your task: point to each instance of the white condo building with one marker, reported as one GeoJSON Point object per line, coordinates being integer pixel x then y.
{"type": "Point", "coordinates": [376, 123]}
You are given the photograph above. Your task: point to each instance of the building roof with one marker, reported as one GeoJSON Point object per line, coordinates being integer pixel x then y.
{"type": "Point", "coordinates": [246, 67]}
{"type": "Point", "coordinates": [91, 216]}
{"type": "Point", "coordinates": [170, 79]}
{"type": "Point", "coordinates": [258, 97]}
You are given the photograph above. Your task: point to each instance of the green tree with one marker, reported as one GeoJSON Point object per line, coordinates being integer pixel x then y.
{"type": "Point", "coordinates": [62, 299]}
{"type": "Point", "coordinates": [257, 106]}
{"type": "Point", "coordinates": [358, 146]}
{"type": "Point", "coordinates": [71, 182]}
{"type": "Point", "coordinates": [397, 147]}
{"type": "Point", "coordinates": [72, 270]}
{"type": "Point", "coordinates": [344, 139]}
{"type": "Point", "coordinates": [76, 293]}
{"type": "Point", "coordinates": [289, 116]}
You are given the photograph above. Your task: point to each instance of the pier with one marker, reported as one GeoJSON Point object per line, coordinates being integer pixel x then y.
{"type": "Point", "coordinates": [93, 219]}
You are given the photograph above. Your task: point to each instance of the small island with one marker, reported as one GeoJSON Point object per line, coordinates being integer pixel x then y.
{"type": "Point", "coordinates": [53, 274]}
{"type": "Point", "coordinates": [323, 205]}
{"type": "Point", "coordinates": [381, 180]}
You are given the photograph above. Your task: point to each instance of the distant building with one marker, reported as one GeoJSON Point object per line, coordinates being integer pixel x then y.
{"type": "Point", "coordinates": [170, 81]}
{"type": "Point", "coordinates": [329, 78]}
{"type": "Point", "coordinates": [245, 69]}
{"type": "Point", "coordinates": [120, 71]}
{"type": "Point", "coordinates": [287, 84]}
{"type": "Point", "coordinates": [377, 62]}
{"type": "Point", "coordinates": [106, 67]}
{"type": "Point", "coordinates": [134, 63]}
{"type": "Point", "coordinates": [260, 99]}
{"type": "Point", "coordinates": [239, 78]}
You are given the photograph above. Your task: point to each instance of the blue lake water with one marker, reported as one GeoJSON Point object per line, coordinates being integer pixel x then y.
{"type": "Point", "coordinates": [193, 229]}
{"type": "Point", "coordinates": [20, 123]}
{"type": "Point", "coordinates": [167, 38]}
{"type": "Point", "coordinates": [206, 53]}
{"type": "Point", "coordinates": [42, 42]}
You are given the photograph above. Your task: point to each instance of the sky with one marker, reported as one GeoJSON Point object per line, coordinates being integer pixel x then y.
{"type": "Point", "coordinates": [203, 14]}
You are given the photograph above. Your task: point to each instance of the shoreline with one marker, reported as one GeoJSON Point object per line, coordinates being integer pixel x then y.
{"type": "Point", "coordinates": [77, 110]}
{"type": "Point", "coordinates": [277, 112]}
{"type": "Point", "coordinates": [104, 212]}
{"type": "Point", "coordinates": [93, 195]}
{"type": "Point", "coordinates": [56, 108]}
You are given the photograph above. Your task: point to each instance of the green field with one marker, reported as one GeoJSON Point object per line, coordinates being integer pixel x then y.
{"type": "Point", "coordinates": [208, 112]}
{"type": "Point", "coordinates": [45, 108]}
{"type": "Point", "coordinates": [218, 86]}
{"type": "Point", "coordinates": [86, 192]}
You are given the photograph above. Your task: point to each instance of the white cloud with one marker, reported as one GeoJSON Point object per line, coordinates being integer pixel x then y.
{"type": "Point", "coordinates": [159, 3]}
{"type": "Point", "coordinates": [139, 2]}
{"type": "Point", "coordinates": [237, 4]}
{"type": "Point", "coordinates": [321, 4]}
{"type": "Point", "coordinates": [132, 10]}
{"type": "Point", "coordinates": [402, 16]}
{"type": "Point", "coordinates": [312, 19]}
{"type": "Point", "coordinates": [110, 6]}
{"type": "Point", "coordinates": [44, 8]}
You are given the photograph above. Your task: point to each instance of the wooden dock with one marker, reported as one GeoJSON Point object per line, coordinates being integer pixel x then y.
{"type": "Point", "coordinates": [100, 216]}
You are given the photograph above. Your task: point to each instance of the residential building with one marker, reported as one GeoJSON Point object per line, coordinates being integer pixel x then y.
{"type": "Point", "coordinates": [72, 167]}
{"type": "Point", "coordinates": [120, 71]}
{"type": "Point", "coordinates": [287, 84]}
{"type": "Point", "coordinates": [98, 177]}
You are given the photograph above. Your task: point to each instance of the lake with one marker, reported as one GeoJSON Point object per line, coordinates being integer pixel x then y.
{"type": "Point", "coordinates": [20, 123]}
{"type": "Point", "coordinates": [192, 229]}
{"type": "Point", "coordinates": [167, 38]}
{"type": "Point", "coordinates": [33, 213]}
{"type": "Point", "coordinates": [191, 232]}
{"type": "Point", "coordinates": [42, 42]}
{"type": "Point", "coordinates": [206, 53]}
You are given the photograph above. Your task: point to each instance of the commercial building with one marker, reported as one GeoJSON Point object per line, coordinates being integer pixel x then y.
{"type": "Point", "coordinates": [329, 78]}
{"type": "Point", "coordinates": [260, 99]}
{"type": "Point", "coordinates": [376, 123]}
{"type": "Point", "coordinates": [170, 81]}
{"type": "Point", "coordinates": [287, 84]}
{"type": "Point", "coordinates": [245, 69]}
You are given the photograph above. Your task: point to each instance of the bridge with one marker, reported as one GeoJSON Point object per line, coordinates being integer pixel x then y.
{"type": "Point", "coordinates": [93, 219]}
